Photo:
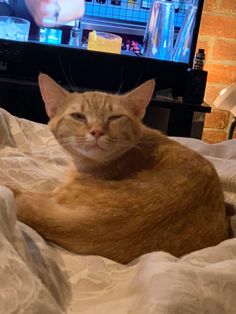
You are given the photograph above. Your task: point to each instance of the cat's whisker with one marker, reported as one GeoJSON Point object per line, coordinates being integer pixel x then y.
{"type": "Point", "coordinates": [70, 145]}
{"type": "Point", "coordinates": [68, 78]}
{"type": "Point", "coordinates": [147, 142]}
{"type": "Point", "coordinates": [72, 138]}
{"type": "Point", "coordinates": [43, 148]}
{"type": "Point", "coordinates": [81, 141]}
{"type": "Point", "coordinates": [72, 142]}
{"type": "Point", "coordinates": [139, 148]}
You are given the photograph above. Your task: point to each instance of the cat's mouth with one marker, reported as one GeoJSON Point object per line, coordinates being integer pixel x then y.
{"type": "Point", "coordinates": [95, 146]}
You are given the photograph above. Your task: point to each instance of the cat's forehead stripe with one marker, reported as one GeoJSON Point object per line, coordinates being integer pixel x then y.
{"type": "Point", "coordinates": [110, 107]}
{"type": "Point", "coordinates": [102, 102]}
{"type": "Point", "coordinates": [106, 103]}
{"type": "Point", "coordinates": [87, 103]}
{"type": "Point", "coordinates": [99, 102]}
{"type": "Point", "coordinates": [82, 106]}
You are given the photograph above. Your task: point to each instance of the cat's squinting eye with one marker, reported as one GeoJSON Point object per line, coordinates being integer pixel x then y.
{"type": "Point", "coordinates": [113, 118]}
{"type": "Point", "coordinates": [78, 116]}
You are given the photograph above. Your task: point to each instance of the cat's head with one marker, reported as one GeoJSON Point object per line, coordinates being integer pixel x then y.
{"type": "Point", "coordinates": [95, 125]}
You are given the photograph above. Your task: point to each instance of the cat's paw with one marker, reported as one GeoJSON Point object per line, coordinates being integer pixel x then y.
{"type": "Point", "coordinates": [28, 205]}
{"type": "Point", "coordinates": [23, 205]}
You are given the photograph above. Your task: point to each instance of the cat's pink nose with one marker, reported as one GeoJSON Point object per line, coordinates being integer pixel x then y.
{"type": "Point", "coordinates": [97, 133]}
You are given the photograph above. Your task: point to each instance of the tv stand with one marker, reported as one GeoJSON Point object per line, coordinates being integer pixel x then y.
{"type": "Point", "coordinates": [176, 118]}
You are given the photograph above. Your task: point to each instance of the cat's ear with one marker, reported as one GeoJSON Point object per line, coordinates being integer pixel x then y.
{"type": "Point", "coordinates": [52, 94]}
{"type": "Point", "coordinates": [140, 97]}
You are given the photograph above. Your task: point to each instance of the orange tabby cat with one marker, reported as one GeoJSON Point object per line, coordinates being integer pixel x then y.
{"type": "Point", "coordinates": [131, 190]}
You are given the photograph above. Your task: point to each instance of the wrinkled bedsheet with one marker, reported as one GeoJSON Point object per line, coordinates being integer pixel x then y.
{"type": "Point", "coordinates": [38, 277]}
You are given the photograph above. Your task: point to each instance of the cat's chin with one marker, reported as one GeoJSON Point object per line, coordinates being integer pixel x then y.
{"type": "Point", "coordinates": [95, 148]}
{"type": "Point", "coordinates": [96, 158]}
{"type": "Point", "coordinates": [94, 154]}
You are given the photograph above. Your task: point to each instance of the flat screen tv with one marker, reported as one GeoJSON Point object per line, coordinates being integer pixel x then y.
{"type": "Point", "coordinates": [74, 65]}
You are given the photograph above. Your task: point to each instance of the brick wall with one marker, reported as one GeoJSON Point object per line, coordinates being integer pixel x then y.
{"type": "Point", "coordinates": [218, 37]}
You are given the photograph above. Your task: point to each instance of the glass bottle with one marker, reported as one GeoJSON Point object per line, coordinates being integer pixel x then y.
{"type": "Point", "coordinates": [184, 40]}
{"type": "Point", "coordinates": [159, 34]}
{"type": "Point", "coordinates": [75, 35]}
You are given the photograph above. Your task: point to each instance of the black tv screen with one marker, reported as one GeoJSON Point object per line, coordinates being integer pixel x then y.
{"type": "Point", "coordinates": [164, 30]}
{"type": "Point", "coordinates": [114, 46]}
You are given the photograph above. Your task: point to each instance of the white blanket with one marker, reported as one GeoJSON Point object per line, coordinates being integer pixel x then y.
{"type": "Point", "coordinates": [37, 277]}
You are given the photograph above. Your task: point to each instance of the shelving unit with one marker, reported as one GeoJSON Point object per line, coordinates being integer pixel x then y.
{"type": "Point", "coordinates": [132, 10]}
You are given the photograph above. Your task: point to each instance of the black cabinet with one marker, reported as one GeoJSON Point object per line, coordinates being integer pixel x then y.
{"type": "Point", "coordinates": [176, 118]}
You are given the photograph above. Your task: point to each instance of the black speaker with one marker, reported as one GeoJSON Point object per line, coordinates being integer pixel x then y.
{"type": "Point", "coordinates": [195, 86]}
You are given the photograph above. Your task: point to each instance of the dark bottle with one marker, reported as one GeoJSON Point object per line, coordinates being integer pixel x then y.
{"type": "Point", "coordinates": [196, 80]}
{"type": "Point", "coordinates": [101, 1]}
{"type": "Point", "coordinates": [116, 2]}
{"type": "Point", "coordinates": [199, 60]}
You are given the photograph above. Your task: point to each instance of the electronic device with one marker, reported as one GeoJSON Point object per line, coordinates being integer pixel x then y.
{"type": "Point", "coordinates": [78, 68]}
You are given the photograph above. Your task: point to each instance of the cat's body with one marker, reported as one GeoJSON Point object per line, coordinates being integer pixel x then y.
{"type": "Point", "coordinates": [123, 201]}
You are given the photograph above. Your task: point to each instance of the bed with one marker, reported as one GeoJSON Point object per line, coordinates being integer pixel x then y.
{"type": "Point", "coordinates": [40, 277]}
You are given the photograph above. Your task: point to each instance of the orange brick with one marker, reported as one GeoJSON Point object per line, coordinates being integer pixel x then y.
{"type": "Point", "coordinates": [218, 25]}
{"type": "Point", "coordinates": [228, 5]}
{"type": "Point", "coordinates": [210, 5]}
{"type": "Point", "coordinates": [211, 136]}
{"type": "Point", "coordinates": [212, 92]}
{"type": "Point", "coordinates": [224, 49]}
{"type": "Point", "coordinates": [217, 119]}
{"type": "Point", "coordinates": [217, 73]}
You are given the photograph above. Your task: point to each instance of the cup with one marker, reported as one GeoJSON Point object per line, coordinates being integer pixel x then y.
{"type": "Point", "coordinates": [50, 36]}
{"type": "Point", "coordinates": [14, 28]}
{"type": "Point", "coordinates": [105, 42]}
{"type": "Point", "coordinates": [159, 34]}
{"type": "Point", "coordinates": [184, 39]}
